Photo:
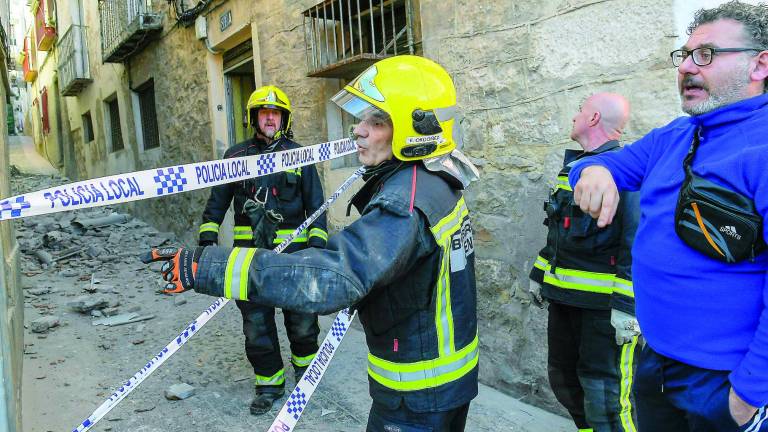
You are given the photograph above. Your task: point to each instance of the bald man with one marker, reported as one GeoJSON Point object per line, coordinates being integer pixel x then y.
{"type": "Point", "coordinates": [585, 273]}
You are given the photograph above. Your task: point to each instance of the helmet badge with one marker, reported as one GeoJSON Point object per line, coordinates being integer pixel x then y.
{"type": "Point", "coordinates": [366, 85]}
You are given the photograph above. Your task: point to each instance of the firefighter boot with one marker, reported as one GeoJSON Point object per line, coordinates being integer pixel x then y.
{"type": "Point", "coordinates": [265, 395]}
{"type": "Point", "coordinates": [298, 372]}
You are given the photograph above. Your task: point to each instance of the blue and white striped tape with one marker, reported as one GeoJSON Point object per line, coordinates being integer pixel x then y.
{"type": "Point", "coordinates": [297, 401]}
{"type": "Point", "coordinates": [173, 346]}
{"type": "Point", "coordinates": [157, 182]}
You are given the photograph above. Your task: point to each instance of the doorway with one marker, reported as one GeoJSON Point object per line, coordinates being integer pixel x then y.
{"type": "Point", "coordinates": [239, 83]}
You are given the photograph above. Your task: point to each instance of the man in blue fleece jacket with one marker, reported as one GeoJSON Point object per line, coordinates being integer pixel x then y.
{"type": "Point", "coordinates": [705, 366]}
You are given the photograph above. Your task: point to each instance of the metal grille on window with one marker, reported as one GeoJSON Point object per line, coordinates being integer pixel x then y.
{"type": "Point", "coordinates": [149, 127]}
{"type": "Point", "coordinates": [115, 131]}
{"type": "Point", "coordinates": [343, 37]}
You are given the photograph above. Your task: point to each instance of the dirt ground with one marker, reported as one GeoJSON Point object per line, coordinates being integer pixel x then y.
{"type": "Point", "coordinates": [71, 368]}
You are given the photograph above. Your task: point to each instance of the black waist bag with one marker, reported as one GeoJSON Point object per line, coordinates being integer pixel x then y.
{"type": "Point", "coordinates": [714, 220]}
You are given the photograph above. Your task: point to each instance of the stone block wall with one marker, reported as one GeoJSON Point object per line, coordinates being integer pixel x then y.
{"type": "Point", "coordinates": [521, 71]}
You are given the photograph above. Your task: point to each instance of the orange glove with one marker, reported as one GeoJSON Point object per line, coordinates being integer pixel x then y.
{"type": "Point", "coordinates": [179, 268]}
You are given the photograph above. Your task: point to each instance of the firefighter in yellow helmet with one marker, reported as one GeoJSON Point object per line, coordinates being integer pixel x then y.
{"type": "Point", "coordinates": [290, 197]}
{"type": "Point", "coordinates": [407, 264]}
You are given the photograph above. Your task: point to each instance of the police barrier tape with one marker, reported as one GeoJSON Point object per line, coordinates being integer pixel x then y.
{"type": "Point", "coordinates": [199, 322]}
{"type": "Point", "coordinates": [299, 398]}
{"type": "Point", "coordinates": [164, 181]}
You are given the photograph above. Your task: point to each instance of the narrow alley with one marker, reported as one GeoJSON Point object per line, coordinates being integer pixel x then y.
{"type": "Point", "coordinates": [94, 317]}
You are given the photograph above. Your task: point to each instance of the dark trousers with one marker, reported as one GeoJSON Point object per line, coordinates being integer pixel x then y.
{"type": "Point", "coordinates": [589, 374]}
{"type": "Point", "coordinates": [382, 419]}
{"type": "Point", "coordinates": [675, 397]}
{"type": "Point", "coordinates": [261, 344]}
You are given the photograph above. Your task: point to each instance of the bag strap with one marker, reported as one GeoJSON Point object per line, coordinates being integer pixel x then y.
{"type": "Point", "coordinates": [688, 161]}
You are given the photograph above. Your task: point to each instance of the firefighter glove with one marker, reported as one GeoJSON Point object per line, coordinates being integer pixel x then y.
{"type": "Point", "coordinates": [626, 326]}
{"type": "Point", "coordinates": [263, 222]}
{"type": "Point", "coordinates": [179, 267]}
{"type": "Point", "coordinates": [534, 292]}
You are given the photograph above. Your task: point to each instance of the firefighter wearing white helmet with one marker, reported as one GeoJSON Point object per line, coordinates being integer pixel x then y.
{"type": "Point", "coordinates": [407, 264]}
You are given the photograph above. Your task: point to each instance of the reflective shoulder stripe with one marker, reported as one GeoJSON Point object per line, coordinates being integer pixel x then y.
{"type": "Point", "coordinates": [424, 374]}
{"type": "Point", "coordinates": [624, 287]}
{"type": "Point", "coordinates": [236, 275]}
{"type": "Point", "coordinates": [562, 183]}
{"type": "Point", "coordinates": [449, 224]}
{"type": "Point", "coordinates": [443, 231]}
{"type": "Point", "coordinates": [284, 233]}
{"type": "Point", "coordinates": [296, 171]}
{"type": "Point", "coordinates": [209, 227]}
{"type": "Point", "coordinates": [601, 283]}
{"type": "Point", "coordinates": [318, 232]}
{"type": "Point", "coordinates": [302, 361]}
{"type": "Point", "coordinates": [275, 379]}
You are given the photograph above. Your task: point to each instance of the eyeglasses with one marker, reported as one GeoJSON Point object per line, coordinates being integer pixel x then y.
{"type": "Point", "coordinates": [704, 55]}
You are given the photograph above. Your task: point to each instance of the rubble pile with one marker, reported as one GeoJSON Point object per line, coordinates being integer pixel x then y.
{"type": "Point", "coordinates": [87, 246]}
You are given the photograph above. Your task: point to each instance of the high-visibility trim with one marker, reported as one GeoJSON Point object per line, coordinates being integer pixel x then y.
{"type": "Point", "coordinates": [209, 227]}
{"type": "Point", "coordinates": [296, 171]}
{"type": "Point", "coordinates": [283, 234]}
{"type": "Point", "coordinates": [443, 231]}
{"type": "Point", "coordinates": [274, 380]}
{"type": "Point", "coordinates": [243, 233]}
{"type": "Point", "coordinates": [424, 374]}
{"type": "Point", "coordinates": [449, 224]}
{"type": "Point", "coordinates": [236, 274]}
{"type": "Point", "coordinates": [318, 232]}
{"type": "Point", "coordinates": [580, 280]}
{"type": "Point", "coordinates": [541, 263]}
{"type": "Point", "coordinates": [562, 183]}
{"type": "Point", "coordinates": [443, 322]}
{"type": "Point", "coordinates": [586, 430]}
{"type": "Point", "coordinates": [302, 361]}
{"type": "Point", "coordinates": [627, 368]}
{"type": "Point", "coordinates": [624, 287]}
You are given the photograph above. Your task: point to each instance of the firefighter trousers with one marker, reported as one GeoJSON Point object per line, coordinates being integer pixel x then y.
{"type": "Point", "coordinates": [589, 374]}
{"type": "Point", "coordinates": [262, 346]}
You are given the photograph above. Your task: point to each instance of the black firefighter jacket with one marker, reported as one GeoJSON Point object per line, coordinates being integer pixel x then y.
{"type": "Point", "coordinates": [583, 265]}
{"type": "Point", "coordinates": [407, 266]}
{"type": "Point", "coordinates": [295, 194]}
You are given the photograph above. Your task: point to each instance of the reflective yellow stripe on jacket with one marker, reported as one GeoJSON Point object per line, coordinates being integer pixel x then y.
{"type": "Point", "coordinates": [450, 364]}
{"type": "Point", "coordinates": [236, 274]}
{"type": "Point", "coordinates": [424, 374]}
{"type": "Point", "coordinates": [317, 232]}
{"type": "Point", "coordinates": [209, 227]}
{"type": "Point", "coordinates": [562, 183]}
{"type": "Point", "coordinates": [283, 234]}
{"type": "Point", "coordinates": [601, 283]}
{"type": "Point", "coordinates": [243, 232]}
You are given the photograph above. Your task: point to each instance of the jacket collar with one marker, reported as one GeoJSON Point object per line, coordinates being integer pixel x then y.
{"type": "Point", "coordinates": [735, 112]}
{"type": "Point", "coordinates": [574, 155]}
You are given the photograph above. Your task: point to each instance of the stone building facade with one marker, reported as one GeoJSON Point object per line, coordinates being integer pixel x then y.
{"type": "Point", "coordinates": [11, 297]}
{"type": "Point", "coordinates": [521, 69]}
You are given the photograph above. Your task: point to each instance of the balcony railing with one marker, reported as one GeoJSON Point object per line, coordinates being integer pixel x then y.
{"type": "Point", "coordinates": [127, 26]}
{"type": "Point", "coordinates": [343, 37]}
{"type": "Point", "coordinates": [74, 68]}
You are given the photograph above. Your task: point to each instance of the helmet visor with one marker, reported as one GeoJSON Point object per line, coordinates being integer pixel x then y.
{"type": "Point", "coordinates": [357, 107]}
